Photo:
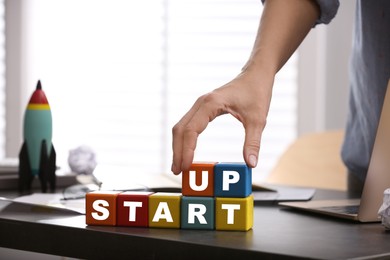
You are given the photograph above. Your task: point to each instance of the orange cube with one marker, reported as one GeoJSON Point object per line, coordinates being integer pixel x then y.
{"type": "Point", "coordinates": [199, 180]}
{"type": "Point", "coordinates": [100, 208]}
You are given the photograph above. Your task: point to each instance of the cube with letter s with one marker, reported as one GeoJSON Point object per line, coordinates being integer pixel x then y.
{"type": "Point", "coordinates": [101, 208]}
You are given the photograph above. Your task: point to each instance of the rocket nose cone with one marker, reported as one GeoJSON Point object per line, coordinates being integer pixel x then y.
{"type": "Point", "coordinates": [38, 97]}
{"type": "Point", "coordinates": [39, 86]}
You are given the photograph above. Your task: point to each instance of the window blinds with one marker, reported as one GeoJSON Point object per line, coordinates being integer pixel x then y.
{"type": "Point", "coordinates": [119, 74]}
{"type": "Point", "coordinates": [2, 81]}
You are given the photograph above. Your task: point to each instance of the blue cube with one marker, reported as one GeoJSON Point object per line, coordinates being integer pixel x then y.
{"type": "Point", "coordinates": [232, 180]}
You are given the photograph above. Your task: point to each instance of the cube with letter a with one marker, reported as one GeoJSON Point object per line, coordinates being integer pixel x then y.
{"type": "Point", "coordinates": [133, 209]}
{"type": "Point", "coordinates": [100, 208]}
{"type": "Point", "coordinates": [199, 180]}
{"type": "Point", "coordinates": [232, 180]}
{"type": "Point", "coordinates": [234, 213]}
{"type": "Point", "coordinates": [164, 210]}
{"type": "Point", "coordinates": [197, 212]}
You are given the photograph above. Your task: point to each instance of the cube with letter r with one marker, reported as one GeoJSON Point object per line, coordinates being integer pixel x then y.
{"type": "Point", "coordinates": [232, 180]}
{"type": "Point", "coordinates": [197, 212]}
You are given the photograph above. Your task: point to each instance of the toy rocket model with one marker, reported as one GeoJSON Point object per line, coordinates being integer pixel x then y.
{"type": "Point", "coordinates": [37, 156]}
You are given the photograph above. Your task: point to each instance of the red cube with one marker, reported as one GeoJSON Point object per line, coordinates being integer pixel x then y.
{"type": "Point", "coordinates": [133, 209]}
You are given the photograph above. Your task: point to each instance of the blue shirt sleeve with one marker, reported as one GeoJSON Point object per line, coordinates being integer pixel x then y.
{"type": "Point", "coordinates": [328, 10]}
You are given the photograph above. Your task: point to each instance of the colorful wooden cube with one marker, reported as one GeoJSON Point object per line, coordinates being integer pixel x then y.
{"type": "Point", "coordinates": [197, 212]}
{"type": "Point", "coordinates": [215, 196]}
{"type": "Point", "coordinates": [232, 180]}
{"type": "Point", "coordinates": [199, 180]}
{"type": "Point", "coordinates": [133, 209]}
{"type": "Point", "coordinates": [234, 213]}
{"type": "Point", "coordinates": [100, 208]}
{"type": "Point", "coordinates": [164, 210]}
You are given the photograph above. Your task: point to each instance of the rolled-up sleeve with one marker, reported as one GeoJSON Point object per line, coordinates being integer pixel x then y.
{"type": "Point", "coordinates": [328, 9]}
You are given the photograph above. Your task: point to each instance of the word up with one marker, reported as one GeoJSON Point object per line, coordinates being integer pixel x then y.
{"type": "Point", "coordinates": [214, 196]}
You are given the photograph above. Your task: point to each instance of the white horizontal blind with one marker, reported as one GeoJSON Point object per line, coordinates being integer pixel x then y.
{"type": "Point", "coordinates": [209, 42]}
{"type": "Point", "coordinates": [100, 65]}
{"type": "Point", "coordinates": [118, 74]}
{"type": "Point", "coordinates": [2, 81]}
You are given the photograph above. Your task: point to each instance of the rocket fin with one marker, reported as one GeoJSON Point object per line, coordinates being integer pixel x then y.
{"type": "Point", "coordinates": [47, 168]}
{"type": "Point", "coordinates": [51, 168]}
{"type": "Point", "coordinates": [25, 175]}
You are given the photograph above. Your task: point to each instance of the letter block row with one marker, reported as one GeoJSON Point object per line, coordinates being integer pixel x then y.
{"type": "Point", "coordinates": [214, 196]}
{"type": "Point", "coordinates": [168, 210]}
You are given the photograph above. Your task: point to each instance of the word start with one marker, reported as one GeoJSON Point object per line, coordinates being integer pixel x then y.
{"type": "Point", "coordinates": [214, 196]}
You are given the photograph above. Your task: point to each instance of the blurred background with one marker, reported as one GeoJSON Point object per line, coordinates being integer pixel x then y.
{"type": "Point", "coordinates": [119, 74]}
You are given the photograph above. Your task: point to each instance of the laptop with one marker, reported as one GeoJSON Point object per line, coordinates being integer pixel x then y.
{"type": "Point", "coordinates": [377, 181]}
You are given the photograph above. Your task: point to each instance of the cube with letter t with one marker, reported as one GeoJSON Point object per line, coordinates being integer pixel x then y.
{"type": "Point", "coordinates": [232, 180]}
{"type": "Point", "coordinates": [133, 209]}
{"type": "Point", "coordinates": [234, 213]}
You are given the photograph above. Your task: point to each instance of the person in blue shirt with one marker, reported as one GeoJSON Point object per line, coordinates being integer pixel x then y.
{"type": "Point", "coordinates": [283, 26]}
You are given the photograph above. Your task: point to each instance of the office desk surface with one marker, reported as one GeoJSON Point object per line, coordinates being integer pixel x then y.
{"type": "Point", "coordinates": [277, 233]}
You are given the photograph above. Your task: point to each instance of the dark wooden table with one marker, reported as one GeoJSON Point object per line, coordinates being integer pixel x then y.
{"type": "Point", "coordinates": [277, 233]}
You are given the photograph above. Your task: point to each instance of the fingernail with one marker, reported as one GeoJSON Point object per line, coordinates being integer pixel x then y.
{"type": "Point", "coordinates": [252, 160]}
{"type": "Point", "coordinates": [173, 168]}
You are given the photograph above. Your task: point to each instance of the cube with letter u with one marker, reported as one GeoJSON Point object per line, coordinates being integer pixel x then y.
{"type": "Point", "coordinates": [199, 180]}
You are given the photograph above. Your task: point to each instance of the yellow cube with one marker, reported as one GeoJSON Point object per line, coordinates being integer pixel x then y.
{"type": "Point", "coordinates": [164, 210]}
{"type": "Point", "coordinates": [234, 213]}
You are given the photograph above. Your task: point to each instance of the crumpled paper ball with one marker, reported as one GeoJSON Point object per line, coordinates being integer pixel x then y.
{"type": "Point", "coordinates": [384, 210]}
{"type": "Point", "coordinates": [82, 160]}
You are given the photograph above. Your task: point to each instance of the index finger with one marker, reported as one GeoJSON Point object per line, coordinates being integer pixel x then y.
{"type": "Point", "coordinates": [186, 132]}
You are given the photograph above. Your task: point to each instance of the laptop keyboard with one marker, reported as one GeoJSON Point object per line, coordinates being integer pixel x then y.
{"type": "Point", "coordinates": [350, 209]}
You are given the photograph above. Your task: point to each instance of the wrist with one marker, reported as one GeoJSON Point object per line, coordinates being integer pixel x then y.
{"type": "Point", "coordinates": [258, 76]}
{"type": "Point", "coordinates": [257, 68]}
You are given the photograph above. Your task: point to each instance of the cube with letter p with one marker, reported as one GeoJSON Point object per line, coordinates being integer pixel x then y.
{"type": "Point", "coordinates": [232, 180]}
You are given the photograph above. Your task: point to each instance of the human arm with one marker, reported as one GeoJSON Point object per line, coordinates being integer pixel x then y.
{"type": "Point", "coordinates": [283, 26]}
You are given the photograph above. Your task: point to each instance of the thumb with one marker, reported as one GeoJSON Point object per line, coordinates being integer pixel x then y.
{"type": "Point", "coordinates": [252, 145]}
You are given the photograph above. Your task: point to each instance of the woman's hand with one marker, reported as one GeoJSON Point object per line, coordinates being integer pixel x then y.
{"type": "Point", "coordinates": [283, 26]}
{"type": "Point", "coordinates": [247, 98]}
